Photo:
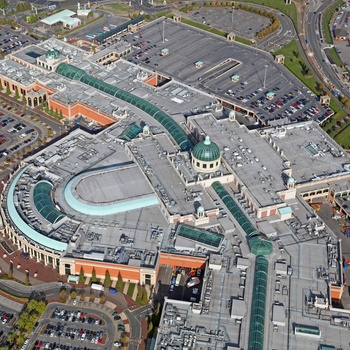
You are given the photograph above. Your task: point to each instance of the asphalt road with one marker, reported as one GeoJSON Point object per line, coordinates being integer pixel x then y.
{"type": "Point", "coordinates": [326, 72]}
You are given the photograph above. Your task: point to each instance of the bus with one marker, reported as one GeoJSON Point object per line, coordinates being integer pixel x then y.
{"type": "Point", "coordinates": [96, 286]}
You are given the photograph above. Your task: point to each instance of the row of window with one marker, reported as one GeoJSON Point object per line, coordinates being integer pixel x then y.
{"type": "Point", "coordinates": [205, 165]}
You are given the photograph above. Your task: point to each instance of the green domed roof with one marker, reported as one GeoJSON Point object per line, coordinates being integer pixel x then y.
{"type": "Point", "coordinates": [52, 54]}
{"type": "Point", "coordinates": [206, 151]}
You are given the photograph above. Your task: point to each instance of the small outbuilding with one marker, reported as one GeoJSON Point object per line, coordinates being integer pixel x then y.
{"type": "Point", "coordinates": [199, 64]}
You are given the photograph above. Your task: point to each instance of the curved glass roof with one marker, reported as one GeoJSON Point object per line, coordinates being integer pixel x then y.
{"type": "Point", "coordinates": [104, 210]}
{"type": "Point", "coordinates": [169, 124]}
{"type": "Point", "coordinates": [233, 208]}
{"type": "Point", "coordinates": [43, 203]}
{"type": "Point", "coordinates": [22, 225]}
{"type": "Point", "coordinates": [130, 132]}
{"type": "Point", "coordinates": [257, 316]}
{"type": "Point", "coordinates": [206, 151]}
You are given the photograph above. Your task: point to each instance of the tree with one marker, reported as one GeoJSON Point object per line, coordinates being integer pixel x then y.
{"type": "Point", "coordinates": [26, 281]}
{"type": "Point", "coordinates": [61, 116]}
{"type": "Point", "coordinates": [1, 88]}
{"type": "Point", "coordinates": [73, 294]}
{"type": "Point", "coordinates": [102, 299]}
{"type": "Point", "coordinates": [92, 296]}
{"type": "Point", "coordinates": [16, 93]}
{"type": "Point", "coordinates": [93, 276]}
{"type": "Point", "coordinates": [82, 296]}
{"type": "Point", "coordinates": [56, 113]}
{"type": "Point", "coordinates": [107, 283]}
{"type": "Point", "coordinates": [24, 100]}
{"type": "Point", "coordinates": [120, 283]}
{"type": "Point", "coordinates": [8, 91]}
{"type": "Point", "coordinates": [81, 276]}
{"type": "Point", "coordinates": [10, 272]}
{"type": "Point", "coordinates": [150, 327]}
{"type": "Point", "coordinates": [63, 295]}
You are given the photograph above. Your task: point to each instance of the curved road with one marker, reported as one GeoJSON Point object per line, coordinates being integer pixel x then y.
{"type": "Point", "coordinates": [327, 72]}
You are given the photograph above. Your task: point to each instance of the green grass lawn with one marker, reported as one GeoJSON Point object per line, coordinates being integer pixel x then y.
{"type": "Point", "coordinates": [289, 10]}
{"type": "Point", "coordinates": [121, 8]}
{"type": "Point", "coordinates": [294, 62]}
{"type": "Point", "coordinates": [343, 137]}
{"type": "Point", "coordinates": [335, 57]}
{"type": "Point", "coordinates": [131, 289]}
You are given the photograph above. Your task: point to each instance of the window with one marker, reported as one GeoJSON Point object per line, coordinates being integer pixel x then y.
{"type": "Point", "coordinates": [147, 279]}
{"type": "Point", "coordinates": [204, 165]}
{"type": "Point", "coordinates": [211, 165]}
{"type": "Point", "coordinates": [217, 163]}
{"type": "Point", "coordinates": [198, 164]}
{"type": "Point", "coordinates": [67, 269]}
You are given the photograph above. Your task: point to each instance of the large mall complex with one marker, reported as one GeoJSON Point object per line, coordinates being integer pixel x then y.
{"type": "Point", "coordinates": [176, 182]}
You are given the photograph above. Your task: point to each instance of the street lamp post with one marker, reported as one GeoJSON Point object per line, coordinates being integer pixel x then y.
{"type": "Point", "coordinates": [265, 75]}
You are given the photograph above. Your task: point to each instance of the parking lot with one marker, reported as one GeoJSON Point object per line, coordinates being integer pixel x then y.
{"type": "Point", "coordinates": [11, 39]}
{"type": "Point", "coordinates": [242, 23]}
{"type": "Point", "coordinates": [7, 319]}
{"type": "Point", "coordinates": [68, 327]}
{"type": "Point", "coordinates": [16, 132]}
{"type": "Point", "coordinates": [258, 73]}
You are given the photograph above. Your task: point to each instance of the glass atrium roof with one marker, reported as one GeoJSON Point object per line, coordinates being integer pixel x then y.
{"type": "Point", "coordinates": [43, 202]}
{"type": "Point", "coordinates": [169, 124]}
{"type": "Point", "coordinates": [201, 236]}
{"type": "Point", "coordinates": [257, 317]}
{"type": "Point", "coordinates": [24, 227]}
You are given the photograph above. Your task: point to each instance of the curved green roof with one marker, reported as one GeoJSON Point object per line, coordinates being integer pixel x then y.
{"type": "Point", "coordinates": [206, 151]}
{"type": "Point", "coordinates": [43, 202]}
{"type": "Point", "coordinates": [23, 227]}
{"type": "Point", "coordinates": [258, 245]}
{"type": "Point", "coordinates": [233, 208]}
{"type": "Point", "coordinates": [130, 132]}
{"type": "Point", "coordinates": [257, 316]}
{"type": "Point", "coordinates": [169, 124]}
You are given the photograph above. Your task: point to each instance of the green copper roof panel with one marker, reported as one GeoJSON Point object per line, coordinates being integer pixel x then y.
{"type": "Point", "coordinates": [130, 132]}
{"type": "Point", "coordinates": [201, 236]}
{"type": "Point", "coordinates": [22, 226]}
{"type": "Point", "coordinates": [233, 208]}
{"type": "Point", "coordinates": [257, 316]}
{"type": "Point", "coordinates": [169, 124]}
{"type": "Point", "coordinates": [206, 151]}
{"type": "Point", "coordinates": [43, 202]}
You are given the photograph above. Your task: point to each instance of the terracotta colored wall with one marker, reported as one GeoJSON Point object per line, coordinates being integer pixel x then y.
{"type": "Point", "coordinates": [152, 80]}
{"type": "Point", "coordinates": [127, 272]}
{"type": "Point", "coordinates": [182, 261]}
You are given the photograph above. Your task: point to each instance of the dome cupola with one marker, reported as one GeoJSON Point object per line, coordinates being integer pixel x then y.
{"type": "Point", "coordinates": [206, 156]}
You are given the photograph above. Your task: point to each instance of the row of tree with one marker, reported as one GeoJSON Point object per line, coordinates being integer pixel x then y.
{"type": "Point", "coordinates": [107, 280]}
{"type": "Point", "coordinates": [25, 323]}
